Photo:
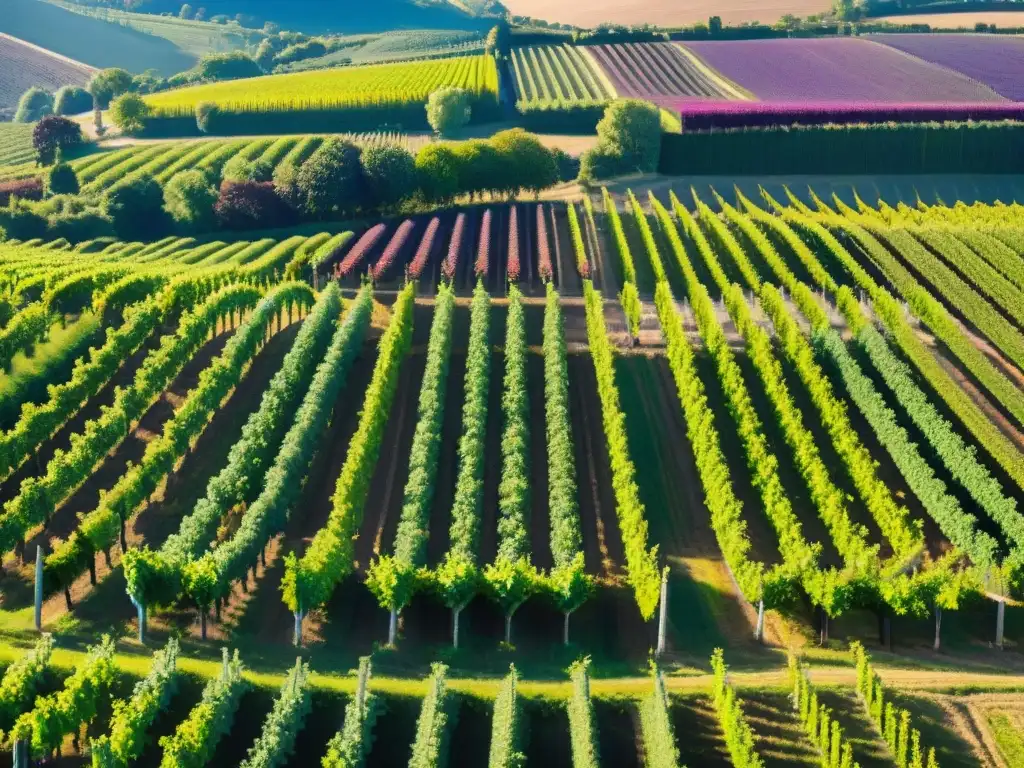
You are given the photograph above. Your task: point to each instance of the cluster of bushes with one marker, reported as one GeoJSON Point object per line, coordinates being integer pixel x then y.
{"type": "Point", "coordinates": [628, 141]}
{"type": "Point", "coordinates": [339, 180]}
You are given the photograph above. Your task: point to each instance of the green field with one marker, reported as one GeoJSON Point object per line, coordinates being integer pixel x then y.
{"type": "Point", "coordinates": [15, 144]}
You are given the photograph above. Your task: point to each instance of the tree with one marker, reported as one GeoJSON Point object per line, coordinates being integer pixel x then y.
{"type": "Point", "coordinates": [129, 112]}
{"type": "Point", "coordinates": [206, 116]}
{"type": "Point", "coordinates": [498, 39]}
{"type": "Point", "coordinates": [71, 100]}
{"type": "Point", "coordinates": [715, 26]}
{"type": "Point", "coordinates": [526, 163]}
{"type": "Point", "coordinates": [136, 208]}
{"type": "Point", "coordinates": [61, 179]}
{"type": "Point", "coordinates": [628, 141]}
{"type": "Point", "coordinates": [189, 198]}
{"type": "Point", "coordinates": [448, 109]}
{"type": "Point", "coordinates": [108, 84]}
{"type": "Point", "coordinates": [34, 104]}
{"type": "Point", "coordinates": [390, 174]}
{"type": "Point", "coordinates": [186, 12]}
{"type": "Point", "coordinates": [251, 205]}
{"type": "Point", "coordinates": [240, 168]}
{"type": "Point", "coordinates": [480, 167]}
{"type": "Point", "coordinates": [200, 14]}
{"type": "Point", "coordinates": [234, 65]}
{"type": "Point", "coordinates": [437, 167]}
{"type": "Point", "coordinates": [53, 135]}
{"type": "Point", "coordinates": [265, 54]}
{"type": "Point", "coordinates": [331, 180]}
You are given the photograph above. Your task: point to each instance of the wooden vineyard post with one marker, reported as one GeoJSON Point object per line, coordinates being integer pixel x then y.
{"type": "Point", "coordinates": [142, 621]}
{"type": "Point", "coordinates": [938, 627]}
{"type": "Point", "coordinates": [393, 627]}
{"type": "Point", "coordinates": [1000, 621]}
{"type": "Point", "coordinates": [565, 630]}
{"type": "Point", "coordinates": [663, 612]}
{"type": "Point", "coordinates": [39, 588]}
{"type": "Point", "coordinates": [298, 629]}
{"type": "Point", "coordinates": [21, 754]}
{"type": "Point", "coordinates": [759, 630]}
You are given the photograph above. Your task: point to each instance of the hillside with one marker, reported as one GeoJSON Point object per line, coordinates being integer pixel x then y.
{"type": "Point", "coordinates": [91, 41]}
{"type": "Point", "coordinates": [23, 65]}
{"type": "Point", "coordinates": [318, 16]}
{"type": "Point", "coordinates": [590, 13]}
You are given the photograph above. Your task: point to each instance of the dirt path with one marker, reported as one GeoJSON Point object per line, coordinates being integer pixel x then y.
{"type": "Point", "coordinates": [540, 520]}
{"type": "Point", "coordinates": [602, 545]}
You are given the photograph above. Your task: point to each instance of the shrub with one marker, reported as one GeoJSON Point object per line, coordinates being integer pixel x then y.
{"type": "Point", "coordinates": [390, 174]}
{"type": "Point", "coordinates": [331, 180]}
{"type": "Point", "coordinates": [108, 84]}
{"type": "Point", "coordinates": [61, 179]}
{"type": "Point", "coordinates": [54, 134]}
{"type": "Point", "coordinates": [437, 168]}
{"type": "Point", "coordinates": [286, 183]}
{"type": "Point", "coordinates": [206, 116]}
{"type": "Point", "coordinates": [628, 141]}
{"type": "Point", "coordinates": [71, 100]}
{"type": "Point", "coordinates": [129, 112]}
{"type": "Point", "coordinates": [34, 104]}
{"type": "Point", "coordinates": [525, 162]}
{"type": "Point", "coordinates": [239, 168]}
{"type": "Point", "coordinates": [79, 227]}
{"type": "Point", "coordinates": [301, 51]}
{"type": "Point", "coordinates": [480, 166]}
{"type": "Point", "coordinates": [266, 52]}
{"type": "Point", "coordinates": [227, 66]}
{"type": "Point", "coordinates": [448, 109]}
{"type": "Point", "coordinates": [22, 223]}
{"type": "Point", "coordinates": [22, 189]}
{"type": "Point", "coordinates": [189, 198]}
{"type": "Point", "coordinates": [252, 205]}
{"type": "Point", "coordinates": [136, 209]}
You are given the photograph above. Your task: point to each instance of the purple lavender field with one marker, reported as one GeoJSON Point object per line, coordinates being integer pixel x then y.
{"type": "Point", "coordinates": [836, 70]}
{"type": "Point", "coordinates": [995, 60]}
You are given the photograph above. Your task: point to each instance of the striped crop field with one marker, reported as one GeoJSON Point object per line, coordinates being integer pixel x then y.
{"type": "Point", "coordinates": [16, 144]}
{"type": "Point", "coordinates": [370, 86]}
{"type": "Point", "coordinates": [565, 74]}
{"type": "Point", "coordinates": [645, 70]}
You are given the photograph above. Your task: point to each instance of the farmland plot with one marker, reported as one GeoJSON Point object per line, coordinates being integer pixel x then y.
{"type": "Point", "coordinates": [562, 74]}
{"type": "Point", "coordinates": [23, 65]}
{"type": "Point", "coordinates": [643, 70]}
{"type": "Point", "coordinates": [15, 144]}
{"type": "Point", "coordinates": [836, 69]}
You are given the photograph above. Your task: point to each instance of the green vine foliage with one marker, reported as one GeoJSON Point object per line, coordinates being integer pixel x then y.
{"type": "Point", "coordinates": [822, 729]}
{"type": "Point", "coordinates": [660, 750]}
{"type": "Point", "coordinates": [195, 740]}
{"type": "Point", "coordinates": [310, 581]}
{"type": "Point", "coordinates": [511, 579]}
{"type": "Point", "coordinates": [457, 578]}
{"type": "Point", "coordinates": [435, 724]}
{"type": "Point", "coordinates": [892, 722]}
{"type": "Point", "coordinates": [506, 726]}
{"type": "Point", "coordinates": [628, 297]}
{"type": "Point", "coordinates": [569, 585]}
{"type": "Point", "coordinates": [133, 717]}
{"type": "Point", "coordinates": [55, 716]}
{"type": "Point", "coordinates": [276, 743]}
{"type": "Point", "coordinates": [21, 680]}
{"type": "Point", "coordinates": [582, 726]}
{"type": "Point", "coordinates": [739, 737]}
{"type": "Point", "coordinates": [642, 570]}
{"type": "Point", "coordinates": [98, 530]}
{"type": "Point", "coordinates": [393, 578]}
{"type": "Point", "coordinates": [349, 747]}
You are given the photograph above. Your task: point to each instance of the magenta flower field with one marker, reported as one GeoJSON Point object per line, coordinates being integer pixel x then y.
{"type": "Point", "coordinates": [840, 70]}
{"type": "Point", "coordinates": [995, 60]}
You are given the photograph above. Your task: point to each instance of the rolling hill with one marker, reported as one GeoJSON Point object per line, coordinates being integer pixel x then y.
{"type": "Point", "coordinates": [23, 65]}
{"type": "Point", "coordinates": [91, 41]}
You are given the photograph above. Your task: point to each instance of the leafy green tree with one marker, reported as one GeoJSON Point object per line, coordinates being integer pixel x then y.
{"type": "Point", "coordinates": [331, 180]}
{"type": "Point", "coordinates": [448, 109]}
{"type": "Point", "coordinates": [632, 128]}
{"type": "Point", "coordinates": [480, 167]}
{"type": "Point", "coordinates": [34, 104]}
{"type": "Point", "coordinates": [107, 84]}
{"type": "Point", "coordinates": [228, 66]}
{"type": "Point", "coordinates": [206, 116]}
{"type": "Point", "coordinates": [390, 174]}
{"type": "Point", "coordinates": [186, 12]}
{"type": "Point", "coordinates": [136, 208]}
{"type": "Point", "coordinates": [129, 112]}
{"type": "Point", "coordinates": [437, 166]}
{"type": "Point", "coordinates": [71, 100]}
{"type": "Point", "coordinates": [189, 198]}
{"type": "Point", "coordinates": [525, 162]}
{"type": "Point", "coordinates": [61, 179]}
